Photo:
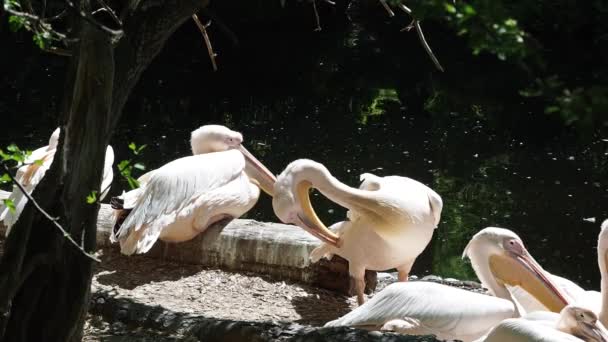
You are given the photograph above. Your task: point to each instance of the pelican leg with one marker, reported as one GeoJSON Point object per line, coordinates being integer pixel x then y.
{"type": "Point", "coordinates": [404, 271]}
{"type": "Point", "coordinates": [357, 281]}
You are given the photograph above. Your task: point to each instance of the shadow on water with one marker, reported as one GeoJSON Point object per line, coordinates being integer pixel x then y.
{"type": "Point", "coordinates": [359, 97]}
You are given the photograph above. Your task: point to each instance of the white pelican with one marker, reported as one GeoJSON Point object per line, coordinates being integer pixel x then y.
{"type": "Point", "coordinates": [452, 313]}
{"type": "Point", "coordinates": [182, 198]}
{"type": "Point", "coordinates": [573, 323]}
{"type": "Point", "coordinates": [392, 218]}
{"type": "Point", "coordinates": [486, 252]}
{"type": "Point", "coordinates": [30, 174]}
{"type": "Point", "coordinates": [573, 293]}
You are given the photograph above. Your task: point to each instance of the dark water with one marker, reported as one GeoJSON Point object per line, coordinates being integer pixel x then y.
{"type": "Point", "coordinates": [360, 100]}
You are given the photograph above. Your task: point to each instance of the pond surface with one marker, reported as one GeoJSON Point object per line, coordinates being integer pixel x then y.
{"type": "Point", "coordinates": [359, 101]}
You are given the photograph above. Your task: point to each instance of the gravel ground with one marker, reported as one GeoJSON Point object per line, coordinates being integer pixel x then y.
{"type": "Point", "coordinates": [213, 293]}
{"type": "Point", "coordinates": [216, 293]}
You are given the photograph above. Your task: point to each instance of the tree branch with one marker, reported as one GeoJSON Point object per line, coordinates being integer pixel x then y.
{"type": "Point", "coordinates": [92, 21]}
{"type": "Point", "coordinates": [203, 29]}
{"type": "Point", "coordinates": [426, 46]}
{"type": "Point", "coordinates": [48, 216]}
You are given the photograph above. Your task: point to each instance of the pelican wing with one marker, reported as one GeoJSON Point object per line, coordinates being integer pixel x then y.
{"type": "Point", "coordinates": [173, 188]}
{"type": "Point", "coordinates": [431, 308]}
{"type": "Point", "coordinates": [108, 175]}
{"type": "Point", "coordinates": [29, 176]}
{"type": "Point", "coordinates": [524, 330]}
{"type": "Point", "coordinates": [403, 200]}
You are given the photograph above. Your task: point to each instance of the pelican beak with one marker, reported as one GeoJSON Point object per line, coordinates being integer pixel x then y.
{"type": "Point", "coordinates": [309, 220]}
{"type": "Point", "coordinates": [593, 332]}
{"type": "Point", "coordinates": [522, 270]}
{"type": "Point", "coordinates": [258, 172]}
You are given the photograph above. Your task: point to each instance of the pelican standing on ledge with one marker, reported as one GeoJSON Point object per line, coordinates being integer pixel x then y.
{"type": "Point", "coordinates": [30, 174]}
{"type": "Point", "coordinates": [422, 308]}
{"type": "Point", "coordinates": [182, 198]}
{"type": "Point", "coordinates": [572, 324]}
{"type": "Point", "coordinates": [392, 218]}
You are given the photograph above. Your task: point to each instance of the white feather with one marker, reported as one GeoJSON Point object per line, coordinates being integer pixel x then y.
{"type": "Point", "coordinates": [430, 308]}
{"type": "Point", "coordinates": [180, 198]}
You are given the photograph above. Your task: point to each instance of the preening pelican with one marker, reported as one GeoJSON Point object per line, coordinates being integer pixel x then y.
{"type": "Point", "coordinates": [392, 218]}
{"type": "Point", "coordinates": [573, 323]}
{"type": "Point", "coordinates": [30, 174]}
{"type": "Point", "coordinates": [451, 313]}
{"type": "Point", "coordinates": [182, 198]}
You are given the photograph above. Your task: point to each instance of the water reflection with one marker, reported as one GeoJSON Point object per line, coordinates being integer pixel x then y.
{"type": "Point", "coordinates": [356, 113]}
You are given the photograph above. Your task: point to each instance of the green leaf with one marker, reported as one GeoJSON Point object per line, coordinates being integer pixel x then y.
{"type": "Point", "coordinates": [13, 4]}
{"type": "Point", "coordinates": [123, 165]}
{"type": "Point", "coordinates": [92, 197]}
{"type": "Point", "coordinates": [136, 150]}
{"type": "Point", "coordinates": [13, 148]}
{"type": "Point", "coordinates": [133, 183]}
{"type": "Point", "coordinates": [449, 8]}
{"type": "Point", "coordinates": [15, 23]}
{"type": "Point", "coordinates": [10, 205]}
{"type": "Point", "coordinates": [139, 166]}
{"type": "Point", "coordinates": [5, 178]}
{"type": "Point", "coordinates": [40, 40]}
{"type": "Point", "coordinates": [38, 162]}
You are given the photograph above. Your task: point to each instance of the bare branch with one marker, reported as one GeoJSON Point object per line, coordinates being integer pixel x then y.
{"type": "Point", "coordinates": [57, 51]}
{"type": "Point", "coordinates": [387, 8]}
{"type": "Point", "coordinates": [48, 216]}
{"type": "Point", "coordinates": [314, 7]}
{"type": "Point", "coordinates": [426, 46]}
{"type": "Point", "coordinates": [110, 11]}
{"type": "Point", "coordinates": [92, 20]}
{"type": "Point", "coordinates": [203, 29]}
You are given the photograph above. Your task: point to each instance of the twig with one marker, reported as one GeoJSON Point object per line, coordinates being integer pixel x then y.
{"type": "Point", "coordinates": [57, 17]}
{"type": "Point", "coordinates": [203, 29]}
{"type": "Point", "coordinates": [58, 51]}
{"type": "Point", "coordinates": [49, 217]}
{"type": "Point", "coordinates": [221, 25]}
{"type": "Point", "coordinates": [314, 7]}
{"type": "Point", "coordinates": [387, 8]}
{"type": "Point", "coordinates": [110, 11]}
{"type": "Point", "coordinates": [426, 46]}
{"type": "Point", "coordinates": [92, 21]}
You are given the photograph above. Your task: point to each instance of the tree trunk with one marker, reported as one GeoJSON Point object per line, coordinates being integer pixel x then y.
{"type": "Point", "coordinates": [44, 280]}
{"type": "Point", "coordinates": [55, 275]}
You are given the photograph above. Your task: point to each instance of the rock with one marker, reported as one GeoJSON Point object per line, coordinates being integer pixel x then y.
{"type": "Point", "coordinates": [273, 249]}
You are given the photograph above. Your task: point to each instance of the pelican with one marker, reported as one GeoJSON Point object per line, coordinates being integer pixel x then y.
{"type": "Point", "coordinates": [182, 198]}
{"type": "Point", "coordinates": [590, 299]}
{"type": "Point", "coordinates": [34, 168]}
{"type": "Point", "coordinates": [573, 323]}
{"type": "Point", "coordinates": [421, 308]}
{"type": "Point", "coordinates": [391, 219]}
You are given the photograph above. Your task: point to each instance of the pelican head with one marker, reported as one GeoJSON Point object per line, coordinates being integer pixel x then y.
{"type": "Point", "coordinates": [214, 138]}
{"type": "Point", "coordinates": [500, 258]}
{"type": "Point", "coordinates": [217, 138]}
{"type": "Point", "coordinates": [291, 201]}
{"type": "Point", "coordinates": [582, 323]}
